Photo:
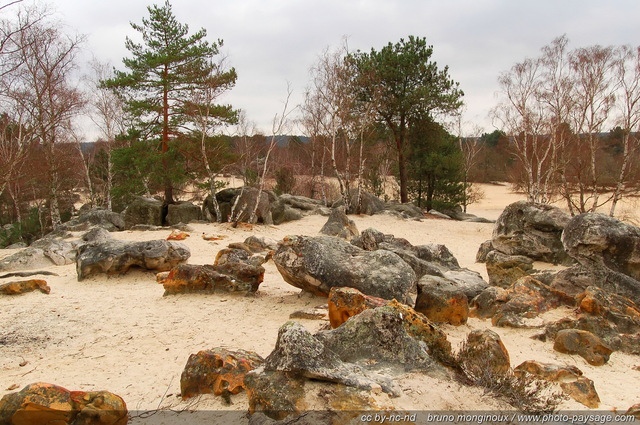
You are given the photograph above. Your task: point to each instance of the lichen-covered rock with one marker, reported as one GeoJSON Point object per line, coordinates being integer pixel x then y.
{"type": "Point", "coordinates": [97, 234]}
{"type": "Point", "coordinates": [487, 302]}
{"type": "Point", "coordinates": [183, 212]}
{"type": "Point", "coordinates": [316, 264]}
{"type": "Point", "coordinates": [362, 202]}
{"type": "Point", "coordinates": [339, 225]}
{"type": "Point", "coordinates": [218, 371]}
{"type": "Point", "coordinates": [526, 299]}
{"type": "Point", "coordinates": [299, 353]}
{"type": "Point", "coordinates": [583, 391]}
{"type": "Point", "coordinates": [441, 301]}
{"type": "Point", "coordinates": [533, 230]}
{"type": "Point", "coordinates": [347, 302]}
{"type": "Point", "coordinates": [583, 343]}
{"type": "Point", "coordinates": [274, 393]}
{"type": "Point", "coordinates": [227, 277]}
{"type": "Point", "coordinates": [42, 403]}
{"type": "Point", "coordinates": [469, 281]}
{"type": "Point", "coordinates": [16, 288]}
{"type": "Point", "coordinates": [237, 255]}
{"type": "Point", "coordinates": [485, 248]}
{"type": "Point", "coordinates": [504, 270]}
{"type": "Point", "coordinates": [113, 256]}
{"type": "Point", "coordinates": [602, 241]}
{"type": "Point", "coordinates": [621, 311]}
{"type": "Point", "coordinates": [45, 252]}
{"type": "Point", "coordinates": [104, 219]}
{"type": "Point", "coordinates": [382, 336]}
{"type": "Point", "coordinates": [145, 211]}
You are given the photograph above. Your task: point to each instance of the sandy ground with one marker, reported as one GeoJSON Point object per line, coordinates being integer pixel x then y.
{"type": "Point", "coordinates": [120, 334]}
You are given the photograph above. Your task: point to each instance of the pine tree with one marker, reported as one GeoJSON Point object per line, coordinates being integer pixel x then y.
{"type": "Point", "coordinates": [159, 80]}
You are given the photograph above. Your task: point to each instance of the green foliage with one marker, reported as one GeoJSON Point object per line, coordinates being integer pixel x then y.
{"type": "Point", "coordinates": [285, 181]}
{"type": "Point", "coordinates": [434, 166]}
{"type": "Point", "coordinates": [158, 87]}
{"type": "Point", "coordinates": [401, 82]}
{"type": "Point", "coordinates": [27, 231]}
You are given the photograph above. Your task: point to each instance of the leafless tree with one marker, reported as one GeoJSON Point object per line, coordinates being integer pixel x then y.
{"type": "Point", "coordinates": [280, 121]}
{"type": "Point", "coordinates": [594, 98]}
{"type": "Point", "coordinates": [627, 75]}
{"type": "Point", "coordinates": [41, 89]}
{"type": "Point", "coordinates": [521, 114]}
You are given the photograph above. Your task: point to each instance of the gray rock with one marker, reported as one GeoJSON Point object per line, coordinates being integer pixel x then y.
{"type": "Point", "coordinates": [469, 281]}
{"type": "Point", "coordinates": [105, 219]}
{"type": "Point", "coordinates": [405, 211]}
{"type": "Point", "coordinates": [485, 248]}
{"type": "Point", "coordinates": [340, 225]}
{"type": "Point", "coordinates": [17, 245]}
{"type": "Point", "coordinates": [369, 203]}
{"type": "Point", "coordinates": [146, 211]}
{"type": "Point", "coordinates": [183, 212]}
{"type": "Point", "coordinates": [533, 230]}
{"type": "Point", "coordinates": [113, 256]}
{"type": "Point", "coordinates": [597, 240]}
{"type": "Point", "coordinates": [97, 234]}
{"type": "Point", "coordinates": [60, 252]}
{"type": "Point", "coordinates": [302, 354]}
{"type": "Point", "coordinates": [316, 264]}
{"type": "Point", "coordinates": [504, 270]}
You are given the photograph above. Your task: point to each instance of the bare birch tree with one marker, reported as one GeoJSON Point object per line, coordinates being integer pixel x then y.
{"type": "Point", "coordinates": [627, 74]}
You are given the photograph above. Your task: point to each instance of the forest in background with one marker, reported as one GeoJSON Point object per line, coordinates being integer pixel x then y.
{"type": "Point", "coordinates": [568, 125]}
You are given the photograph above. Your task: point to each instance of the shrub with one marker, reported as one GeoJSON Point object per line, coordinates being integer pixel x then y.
{"type": "Point", "coordinates": [524, 391]}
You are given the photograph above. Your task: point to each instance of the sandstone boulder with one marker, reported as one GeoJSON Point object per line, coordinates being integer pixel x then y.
{"type": "Point", "coordinates": [42, 403]}
{"type": "Point", "coordinates": [583, 391]}
{"type": "Point", "coordinates": [366, 203]}
{"type": "Point", "coordinates": [218, 371]}
{"type": "Point", "coordinates": [339, 225]}
{"type": "Point", "coordinates": [526, 299]}
{"type": "Point", "coordinates": [183, 212]}
{"type": "Point", "coordinates": [146, 211]}
{"type": "Point", "coordinates": [548, 371]}
{"type": "Point", "coordinates": [228, 277]}
{"type": "Point", "coordinates": [16, 288]}
{"type": "Point", "coordinates": [484, 349]}
{"type": "Point", "coordinates": [316, 264]}
{"type": "Point", "coordinates": [533, 230]}
{"type": "Point", "coordinates": [597, 240]}
{"type": "Point", "coordinates": [45, 252]}
{"type": "Point", "coordinates": [347, 302]}
{"type": "Point", "coordinates": [442, 301]}
{"type": "Point", "coordinates": [504, 270]}
{"type": "Point", "coordinates": [104, 219]}
{"type": "Point", "coordinates": [114, 257]}
{"type": "Point", "coordinates": [583, 343]}
{"type": "Point", "coordinates": [244, 199]}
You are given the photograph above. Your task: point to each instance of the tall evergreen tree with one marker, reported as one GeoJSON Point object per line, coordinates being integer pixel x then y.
{"type": "Point", "coordinates": [402, 82]}
{"type": "Point", "coordinates": [434, 166]}
{"type": "Point", "coordinates": [160, 78]}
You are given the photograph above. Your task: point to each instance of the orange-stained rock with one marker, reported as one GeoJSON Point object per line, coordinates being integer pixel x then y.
{"type": "Point", "coordinates": [347, 302]}
{"type": "Point", "coordinates": [613, 307]}
{"type": "Point", "coordinates": [583, 343]}
{"type": "Point", "coordinates": [42, 403]}
{"type": "Point", "coordinates": [218, 371]}
{"type": "Point", "coordinates": [15, 288]}
{"type": "Point", "coordinates": [634, 411]}
{"type": "Point", "coordinates": [549, 372]}
{"type": "Point", "coordinates": [583, 391]}
{"type": "Point", "coordinates": [229, 277]}
{"type": "Point", "coordinates": [177, 236]}
{"type": "Point", "coordinates": [442, 301]}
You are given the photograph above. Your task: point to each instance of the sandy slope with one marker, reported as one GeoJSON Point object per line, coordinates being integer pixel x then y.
{"type": "Point", "coordinates": [120, 334]}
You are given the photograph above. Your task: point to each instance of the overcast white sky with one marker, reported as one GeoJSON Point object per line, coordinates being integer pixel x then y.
{"type": "Point", "coordinates": [270, 42]}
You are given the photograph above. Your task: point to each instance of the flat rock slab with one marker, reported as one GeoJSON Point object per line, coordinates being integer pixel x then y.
{"type": "Point", "coordinates": [115, 257]}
